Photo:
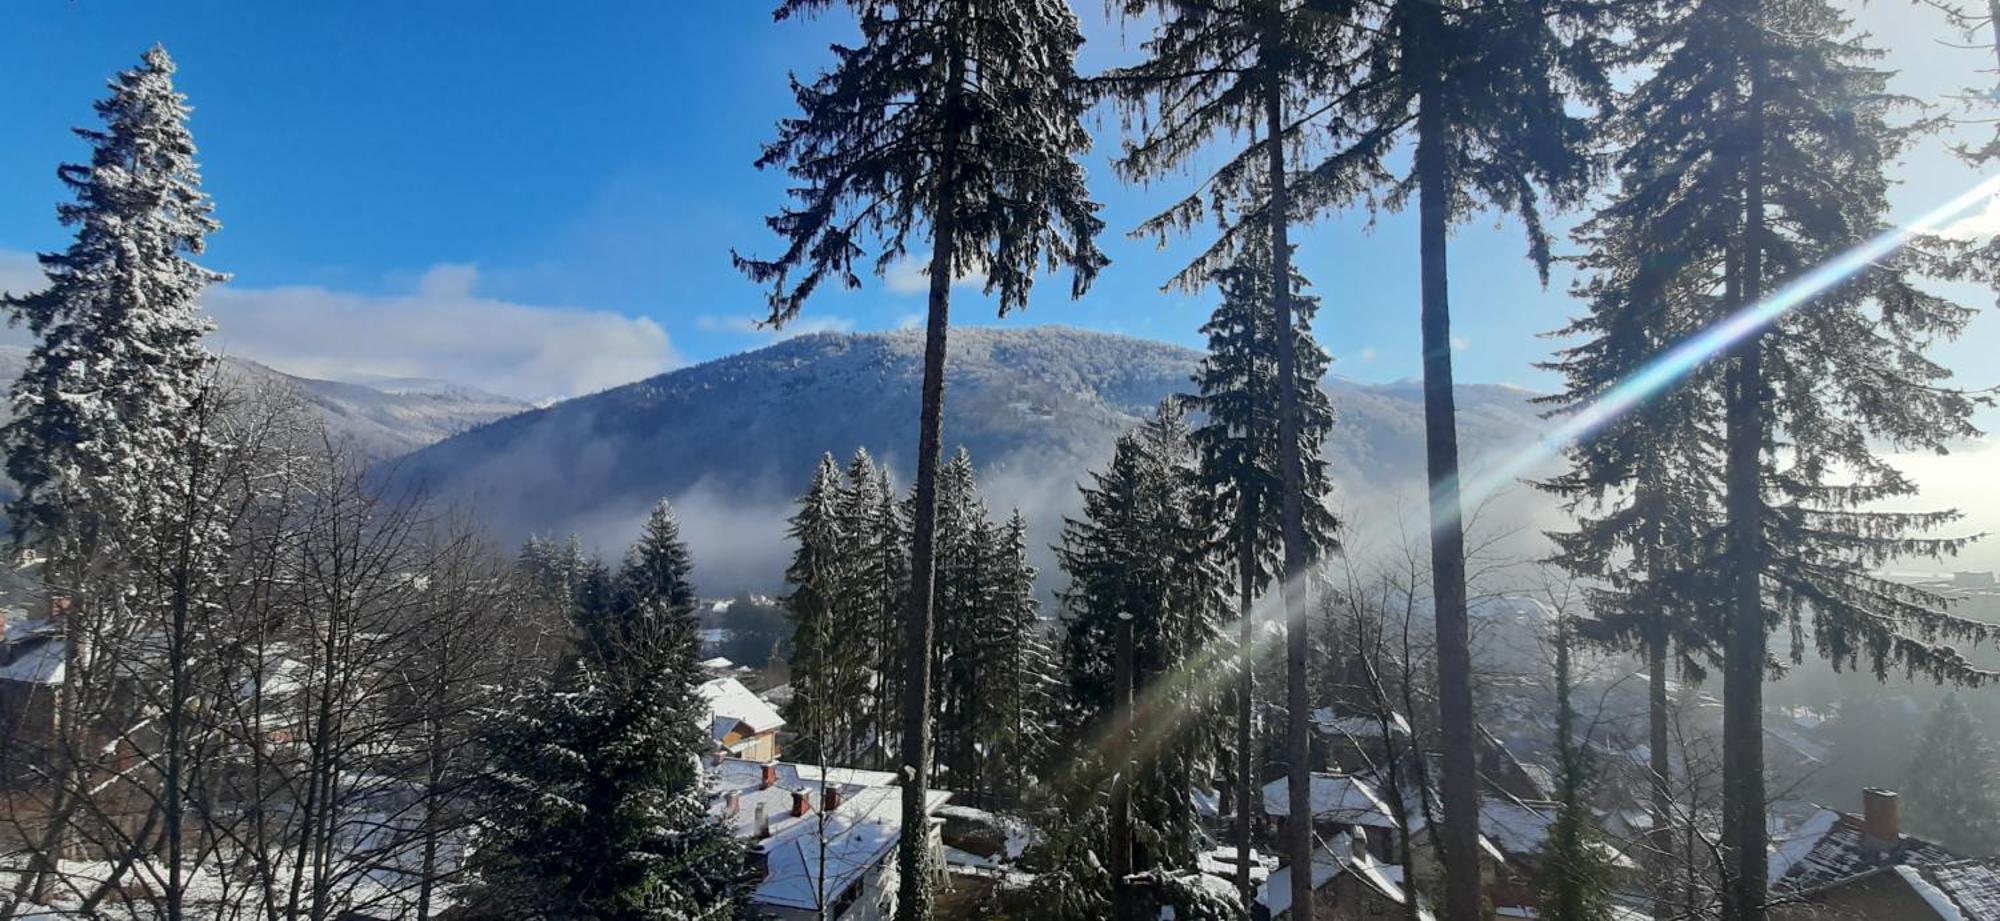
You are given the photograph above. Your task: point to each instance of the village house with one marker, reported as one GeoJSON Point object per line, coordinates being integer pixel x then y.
{"type": "Point", "coordinates": [1349, 884]}
{"type": "Point", "coordinates": [742, 724]}
{"type": "Point", "coordinates": [1956, 890]}
{"type": "Point", "coordinates": [1831, 847]}
{"type": "Point", "coordinates": [821, 837]}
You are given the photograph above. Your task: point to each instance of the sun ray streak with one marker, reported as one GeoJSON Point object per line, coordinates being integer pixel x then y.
{"type": "Point", "coordinates": [1677, 363]}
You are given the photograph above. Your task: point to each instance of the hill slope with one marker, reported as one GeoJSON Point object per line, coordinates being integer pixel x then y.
{"type": "Point", "coordinates": [383, 420]}
{"type": "Point", "coordinates": [734, 440]}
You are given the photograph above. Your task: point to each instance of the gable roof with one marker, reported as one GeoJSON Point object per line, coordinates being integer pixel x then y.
{"type": "Point", "coordinates": [1830, 846]}
{"type": "Point", "coordinates": [730, 703]}
{"type": "Point", "coordinates": [1384, 879]}
{"type": "Point", "coordinates": [1507, 826]}
{"type": "Point", "coordinates": [1341, 798]}
{"type": "Point", "coordinates": [1973, 886]}
{"type": "Point", "coordinates": [36, 659]}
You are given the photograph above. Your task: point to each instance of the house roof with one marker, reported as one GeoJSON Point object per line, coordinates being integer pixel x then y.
{"type": "Point", "coordinates": [37, 660]}
{"type": "Point", "coordinates": [1385, 879]}
{"type": "Point", "coordinates": [1515, 827]}
{"type": "Point", "coordinates": [1955, 890]}
{"type": "Point", "coordinates": [1830, 846]}
{"type": "Point", "coordinates": [1339, 798]}
{"type": "Point", "coordinates": [1331, 723]}
{"type": "Point", "coordinates": [859, 835]}
{"type": "Point", "coordinates": [730, 703]}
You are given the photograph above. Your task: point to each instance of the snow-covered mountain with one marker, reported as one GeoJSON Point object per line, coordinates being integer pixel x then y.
{"type": "Point", "coordinates": [383, 419]}
{"type": "Point", "coordinates": [733, 441]}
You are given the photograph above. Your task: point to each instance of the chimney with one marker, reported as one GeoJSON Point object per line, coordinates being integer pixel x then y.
{"type": "Point", "coordinates": [801, 803]}
{"type": "Point", "coordinates": [770, 775]}
{"type": "Point", "coordinates": [1881, 823]}
{"type": "Point", "coordinates": [733, 802]}
{"type": "Point", "coordinates": [829, 797]}
{"type": "Point", "coordinates": [763, 822]}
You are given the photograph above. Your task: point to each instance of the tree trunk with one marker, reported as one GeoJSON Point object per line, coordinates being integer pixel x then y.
{"type": "Point", "coordinates": [1459, 787]}
{"type": "Point", "coordinates": [914, 899]}
{"type": "Point", "coordinates": [1248, 803]}
{"type": "Point", "coordinates": [1743, 657]}
{"type": "Point", "coordinates": [1661, 808]}
{"type": "Point", "coordinates": [1291, 500]}
{"type": "Point", "coordinates": [1124, 677]}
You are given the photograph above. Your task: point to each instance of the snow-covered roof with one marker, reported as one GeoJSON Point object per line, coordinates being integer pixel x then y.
{"type": "Point", "coordinates": [1356, 726]}
{"type": "Point", "coordinates": [40, 662]}
{"type": "Point", "coordinates": [718, 663]}
{"type": "Point", "coordinates": [1339, 798]}
{"type": "Point", "coordinates": [1276, 893]}
{"type": "Point", "coordinates": [1829, 846]}
{"type": "Point", "coordinates": [858, 836]}
{"type": "Point", "coordinates": [1971, 885]}
{"type": "Point", "coordinates": [1514, 827]}
{"type": "Point", "coordinates": [730, 703]}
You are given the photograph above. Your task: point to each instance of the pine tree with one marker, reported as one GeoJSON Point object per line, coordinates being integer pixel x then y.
{"type": "Point", "coordinates": [1954, 792]}
{"type": "Point", "coordinates": [599, 808]}
{"type": "Point", "coordinates": [1756, 152]}
{"type": "Point", "coordinates": [962, 590]}
{"type": "Point", "coordinates": [1214, 69]}
{"type": "Point", "coordinates": [1141, 558]}
{"type": "Point", "coordinates": [1019, 670]}
{"type": "Point", "coordinates": [118, 359]}
{"type": "Point", "coordinates": [113, 446]}
{"type": "Point", "coordinates": [658, 567]}
{"type": "Point", "coordinates": [1238, 446]}
{"type": "Point", "coordinates": [888, 546]}
{"type": "Point", "coordinates": [1487, 93]}
{"type": "Point", "coordinates": [865, 598]}
{"type": "Point", "coordinates": [1576, 875]}
{"type": "Point", "coordinates": [962, 118]}
{"type": "Point", "coordinates": [1644, 487]}
{"type": "Point", "coordinates": [829, 655]}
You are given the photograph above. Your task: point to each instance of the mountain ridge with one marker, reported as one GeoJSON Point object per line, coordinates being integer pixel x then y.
{"type": "Point", "coordinates": [733, 440]}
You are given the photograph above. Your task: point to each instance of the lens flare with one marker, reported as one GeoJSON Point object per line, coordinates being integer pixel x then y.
{"type": "Point", "coordinates": [1684, 358]}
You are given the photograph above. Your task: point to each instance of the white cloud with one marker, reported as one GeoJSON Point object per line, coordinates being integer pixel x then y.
{"type": "Point", "coordinates": [910, 321]}
{"type": "Point", "coordinates": [440, 329]}
{"type": "Point", "coordinates": [908, 276]}
{"type": "Point", "coordinates": [1460, 343]}
{"type": "Point", "coordinates": [1368, 354]}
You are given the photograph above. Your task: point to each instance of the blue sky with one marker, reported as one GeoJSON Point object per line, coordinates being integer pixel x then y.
{"type": "Point", "coordinates": [542, 200]}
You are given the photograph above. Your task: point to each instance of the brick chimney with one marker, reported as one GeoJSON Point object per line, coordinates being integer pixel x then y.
{"type": "Point", "coordinates": [829, 797]}
{"type": "Point", "coordinates": [802, 803]}
{"type": "Point", "coordinates": [733, 802]}
{"type": "Point", "coordinates": [770, 776]}
{"type": "Point", "coordinates": [1881, 823]}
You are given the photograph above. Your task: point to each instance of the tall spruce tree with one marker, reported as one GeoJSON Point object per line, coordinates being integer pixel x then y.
{"type": "Point", "coordinates": [962, 591]}
{"type": "Point", "coordinates": [118, 360]}
{"type": "Point", "coordinates": [599, 807]}
{"type": "Point", "coordinates": [1141, 559]}
{"type": "Point", "coordinates": [1954, 793]}
{"type": "Point", "coordinates": [1487, 93]}
{"type": "Point", "coordinates": [1237, 442]}
{"type": "Point", "coordinates": [112, 444]}
{"type": "Point", "coordinates": [1644, 487]}
{"type": "Point", "coordinates": [1020, 672]}
{"type": "Point", "coordinates": [959, 118]}
{"type": "Point", "coordinates": [1779, 130]}
{"type": "Point", "coordinates": [1214, 69]}
{"type": "Point", "coordinates": [887, 545]}
{"type": "Point", "coordinates": [830, 654]}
